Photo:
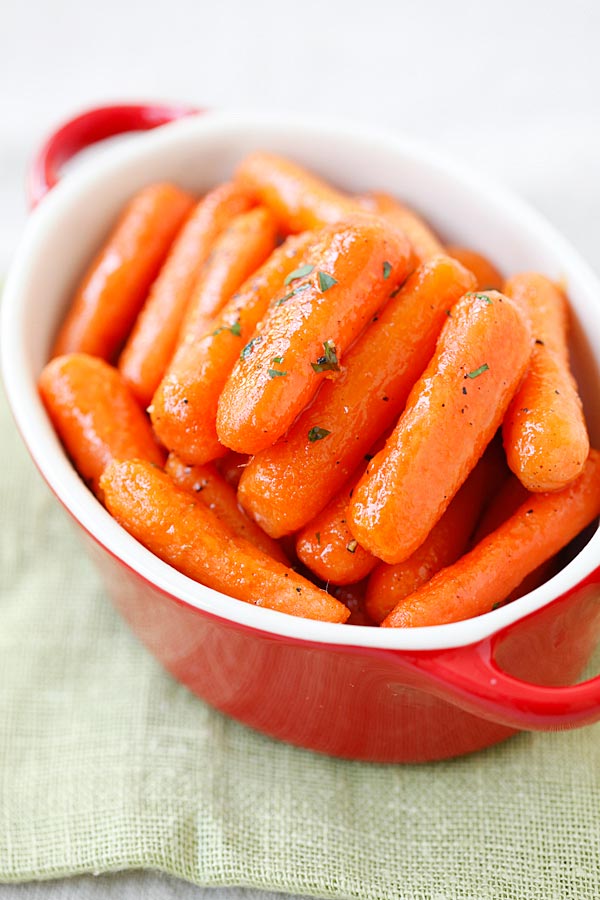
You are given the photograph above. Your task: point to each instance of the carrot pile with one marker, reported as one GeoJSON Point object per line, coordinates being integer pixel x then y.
{"type": "Point", "coordinates": [279, 378]}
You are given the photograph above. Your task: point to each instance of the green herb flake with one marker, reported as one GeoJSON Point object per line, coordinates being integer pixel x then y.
{"type": "Point", "coordinates": [235, 329]}
{"type": "Point", "coordinates": [325, 281]}
{"type": "Point", "coordinates": [477, 372]}
{"type": "Point", "coordinates": [297, 290]}
{"type": "Point", "coordinates": [248, 348]}
{"type": "Point", "coordinates": [278, 360]}
{"type": "Point", "coordinates": [317, 434]}
{"type": "Point", "coordinates": [298, 273]}
{"type": "Point", "coordinates": [351, 546]}
{"type": "Point", "coordinates": [275, 373]}
{"type": "Point", "coordinates": [329, 362]}
{"type": "Point", "coordinates": [387, 269]}
{"type": "Point", "coordinates": [483, 297]}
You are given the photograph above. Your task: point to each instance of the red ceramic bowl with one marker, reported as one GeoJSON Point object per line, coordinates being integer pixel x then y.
{"type": "Point", "coordinates": [352, 691]}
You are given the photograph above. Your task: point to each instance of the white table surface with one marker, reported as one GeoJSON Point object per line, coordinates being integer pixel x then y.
{"type": "Point", "coordinates": [511, 87]}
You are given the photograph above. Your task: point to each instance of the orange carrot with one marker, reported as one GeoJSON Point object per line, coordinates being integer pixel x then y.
{"type": "Point", "coordinates": [423, 241]}
{"type": "Point", "coordinates": [186, 534]}
{"type": "Point", "coordinates": [545, 435]}
{"type": "Point", "coordinates": [444, 544]}
{"type": "Point", "coordinates": [327, 547]}
{"type": "Point", "coordinates": [451, 415]}
{"type": "Point", "coordinates": [349, 275]}
{"type": "Point", "coordinates": [507, 500]}
{"type": "Point", "coordinates": [152, 342]}
{"type": "Point", "coordinates": [116, 284]}
{"type": "Point", "coordinates": [300, 200]}
{"type": "Point", "coordinates": [236, 254]}
{"type": "Point", "coordinates": [539, 528]}
{"type": "Point", "coordinates": [487, 275]}
{"type": "Point", "coordinates": [184, 409]}
{"type": "Point", "coordinates": [287, 485]}
{"type": "Point", "coordinates": [212, 489]}
{"type": "Point", "coordinates": [95, 415]}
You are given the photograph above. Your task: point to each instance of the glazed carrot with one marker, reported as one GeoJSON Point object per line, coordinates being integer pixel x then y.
{"type": "Point", "coordinates": [212, 489]}
{"type": "Point", "coordinates": [95, 415]}
{"type": "Point", "coordinates": [545, 435]}
{"type": "Point", "coordinates": [236, 254]}
{"type": "Point", "coordinates": [539, 528]}
{"type": "Point", "coordinates": [327, 547]}
{"type": "Point", "coordinates": [300, 200]}
{"type": "Point", "coordinates": [288, 484]}
{"type": "Point", "coordinates": [451, 415]}
{"type": "Point", "coordinates": [353, 597]}
{"type": "Point", "coordinates": [152, 342]}
{"type": "Point", "coordinates": [184, 409]}
{"type": "Point", "coordinates": [423, 241]}
{"type": "Point", "coordinates": [186, 534]}
{"type": "Point", "coordinates": [116, 284]}
{"type": "Point", "coordinates": [444, 544]}
{"type": "Point", "coordinates": [349, 275]}
{"type": "Point", "coordinates": [487, 275]}
{"type": "Point", "coordinates": [507, 500]}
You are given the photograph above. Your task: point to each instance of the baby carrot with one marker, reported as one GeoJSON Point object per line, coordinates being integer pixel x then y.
{"type": "Point", "coordinates": [190, 537]}
{"type": "Point", "coordinates": [507, 500]}
{"type": "Point", "coordinates": [288, 484]}
{"type": "Point", "coordinates": [236, 254]}
{"type": "Point", "coordinates": [539, 528]}
{"type": "Point", "coordinates": [212, 489]}
{"type": "Point", "coordinates": [423, 241]}
{"type": "Point", "coordinates": [545, 435]}
{"type": "Point", "coordinates": [327, 547]}
{"type": "Point", "coordinates": [347, 276]}
{"type": "Point", "coordinates": [152, 341]}
{"type": "Point", "coordinates": [451, 415]}
{"type": "Point", "coordinates": [444, 544]}
{"type": "Point", "coordinates": [95, 415]}
{"type": "Point", "coordinates": [184, 408]}
{"type": "Point", "coordinates": [300, 200]}
{"type": "Point", "coordinates": [116, 284]}
{"type": "Point", "coordinates": [487, 275]}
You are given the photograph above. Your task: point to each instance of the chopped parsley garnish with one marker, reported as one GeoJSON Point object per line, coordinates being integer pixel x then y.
{"type": "Point", "coordinates": [387, 269]}
{"type": "Point", "coordinates": [235, 329]}
{"type": "Point", "coordinates": [351, 546]}
{"type": "Point", "coordinates": [485, 297]}
{"type": "Point", "coordinates": [317, 434]}
{"type": "Point", "coordinates": [298, 273]}
{"type": "Point", "coordinates": [477, 372]}
{"type": "Point", "coordinates": [278, 360]}
{"type": "Point", "coordinates": [275, 373]}
{"type": "Point", "coordinates": [329, 362]}
{"type": "Point", "coordinates": [325, 281]}
{"type": "Point", "coordinates": [248, 348]}
{"type": "Point", "coordinates": [297, 290]}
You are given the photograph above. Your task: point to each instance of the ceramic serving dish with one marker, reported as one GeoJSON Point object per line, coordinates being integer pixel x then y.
{"type": "Point", "coordinates": [352, 691]}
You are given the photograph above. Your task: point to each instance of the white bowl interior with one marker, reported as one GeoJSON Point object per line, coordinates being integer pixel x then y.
{"type": "Point", "coordinates": [66, 230]}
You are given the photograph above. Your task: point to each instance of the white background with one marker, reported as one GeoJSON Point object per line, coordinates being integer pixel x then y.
{"type": "Point", "coordinates": [512, 87]}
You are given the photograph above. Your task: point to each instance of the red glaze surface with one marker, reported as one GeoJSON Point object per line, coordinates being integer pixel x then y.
{"type": "Point", "coordinates": [359, 703]}
{"type": "Point", "coordinates": [370, 704]}
{"type": "Point", "coordinates": [88, 128]}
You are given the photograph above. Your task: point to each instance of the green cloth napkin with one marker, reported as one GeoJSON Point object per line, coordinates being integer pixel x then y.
{"type": "Point", "coordinates": [107, 763]}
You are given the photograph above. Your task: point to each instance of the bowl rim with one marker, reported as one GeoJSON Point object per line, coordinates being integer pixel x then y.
{"type": "Point", "coordinates": [53, 464]}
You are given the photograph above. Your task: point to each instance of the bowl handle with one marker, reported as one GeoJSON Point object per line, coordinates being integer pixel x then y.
{"type": "Point", "coordinates": [471, 678]}
{"type": "Point", "coordinates": [87, 128]}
